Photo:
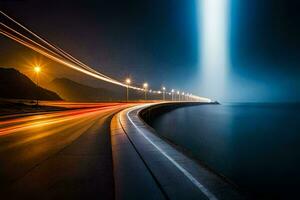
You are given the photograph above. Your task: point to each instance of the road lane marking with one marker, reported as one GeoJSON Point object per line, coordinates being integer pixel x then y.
{"type": "Point", "coordinates": [201, 187]}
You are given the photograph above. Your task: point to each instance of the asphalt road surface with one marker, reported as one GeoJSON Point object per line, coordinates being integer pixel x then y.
{"type": "Point", "coordinates": [58, 155]}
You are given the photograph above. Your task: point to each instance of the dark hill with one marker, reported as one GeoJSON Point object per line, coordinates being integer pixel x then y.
{"type": "Point", "coordinates": [15, 85]}
{"type": "Point", "coordinates": [73, 91]}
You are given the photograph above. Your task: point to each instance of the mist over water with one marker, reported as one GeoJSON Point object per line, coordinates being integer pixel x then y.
{"type": "Point", "coordinates": [244, 57]}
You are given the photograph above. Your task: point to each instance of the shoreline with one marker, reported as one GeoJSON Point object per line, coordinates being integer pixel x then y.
{"type": "Point", "coordinates": [163, 165]}
{"type": "Point", "coordinates": [221, 136]}
{"type": "Point", "coordinates": [166, 107]}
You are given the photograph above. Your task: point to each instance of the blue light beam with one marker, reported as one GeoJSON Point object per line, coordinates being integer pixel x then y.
{"type": "Point", "coordinates": [213, 46]}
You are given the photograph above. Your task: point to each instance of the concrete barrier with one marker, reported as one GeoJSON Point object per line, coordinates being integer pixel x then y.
{"type": "Point", "coordinates": [149, 167]}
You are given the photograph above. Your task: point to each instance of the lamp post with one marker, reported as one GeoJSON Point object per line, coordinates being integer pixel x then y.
{"type": "Point", "coordinates": [164, 93]}
{"type": "Point", "coordinates": [172, 91]}
{"type": "Point", "coordinates": [37, 70]}
{"type": "Point", "coordinates": [182, 99]}
{"type": "Point", "coordinates": [128, 81]}
{"type": "Point", "coordinates": [178, 93]}
{"type": "Point", "coordinates": [145, 86]}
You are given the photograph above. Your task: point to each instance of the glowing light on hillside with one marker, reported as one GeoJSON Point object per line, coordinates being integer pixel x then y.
{"type": "Point", "coordinates": [37, 69]}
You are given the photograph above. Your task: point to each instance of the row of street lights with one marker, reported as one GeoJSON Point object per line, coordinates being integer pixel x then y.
{"type": "Point", "coordinates": [181, 96]}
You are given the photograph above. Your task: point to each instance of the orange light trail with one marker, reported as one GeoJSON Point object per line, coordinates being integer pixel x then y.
{"type": "Point", "coordinates": [21, 124]}
{"type": "Point", "coordinates": [57, 49]}
{"type": "Point", "coordinates": [46, 115]}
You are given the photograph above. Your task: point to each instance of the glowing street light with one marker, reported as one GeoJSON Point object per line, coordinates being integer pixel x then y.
{"type": "Point", "coordinates": [37, 70]}
{"type": "Point", "coordinates": [145, 86]}
{"type": "Point", "coordinates": [178, 93]}
{"type": "Point", "coordinates": [164, 93]}
{"type": "Point", "coordinates": [128, 81]}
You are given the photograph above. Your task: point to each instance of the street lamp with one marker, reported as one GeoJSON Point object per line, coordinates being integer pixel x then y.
{"type": "Point", "coordinates": [145, 86]}
{"type": "Point", "coordinates": [172, 91]}
{"type": "Point", "coordinates": [182, 99]}
{"type": "Point", "coordinates": [37, 70]}
{"type": "Point", "coordinates": [164, 93]}
{"type": "Point", "coordinates": [178, 95]}
{"type": "Point", "coordinates": [128, 81]}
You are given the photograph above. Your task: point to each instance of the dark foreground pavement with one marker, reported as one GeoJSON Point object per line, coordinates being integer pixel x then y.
{"type": "Point", "coordinates": [65, 155]}
{"type": "Point", "coordinates": [93, 154]}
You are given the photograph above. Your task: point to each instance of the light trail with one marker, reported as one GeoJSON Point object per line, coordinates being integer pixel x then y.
{"type": "Point", "coordinates": [18, 33]}
{"type": "Point", "coordinates": [9, 120]}
{"type": "Point", "coordinates": [35, 152]}
{"type": "Point", "coordinates": [59, 60]}
{"type": "Point", "coordinates": [59, 50]}
{"type": "Point", "coordinates": [25, 123]}
{"type": "Point", "coordinates": [57, 54]}
{"type": "Point", "coordinates": [66, 63]}
{"type": "Point", "coordinates": [60, 56]}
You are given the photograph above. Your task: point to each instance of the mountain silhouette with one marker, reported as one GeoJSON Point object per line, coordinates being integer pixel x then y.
{"type": "Point", "coordinates": [74, 91]}
{"type": "Point", "coordinates": [15, 85]}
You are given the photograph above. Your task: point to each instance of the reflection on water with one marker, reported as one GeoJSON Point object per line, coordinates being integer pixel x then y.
{"type": "Point", "coordinates": [257, 146]}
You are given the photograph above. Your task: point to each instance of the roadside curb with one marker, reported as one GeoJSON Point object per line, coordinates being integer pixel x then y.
{"type": "Point", "coordinates": [173, 173]}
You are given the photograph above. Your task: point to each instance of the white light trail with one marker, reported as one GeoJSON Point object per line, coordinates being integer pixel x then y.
{"type": "Point", "coordinates": [57, 54]}
{"type": "Point", "coordinates": [57, 49]}
{"type": "Point", "coordinates": [62, 61]}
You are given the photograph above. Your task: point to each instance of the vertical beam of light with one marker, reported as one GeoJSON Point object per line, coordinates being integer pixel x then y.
{"type": "Point", "coordinates": [213, 47]}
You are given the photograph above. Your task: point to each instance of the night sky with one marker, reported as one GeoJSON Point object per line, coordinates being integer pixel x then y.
{"type": "Point", "coordinates": [157, 41]}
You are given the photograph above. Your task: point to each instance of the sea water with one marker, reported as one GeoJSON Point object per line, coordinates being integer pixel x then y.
{"type": "Point", "coordinates": [254, 145]}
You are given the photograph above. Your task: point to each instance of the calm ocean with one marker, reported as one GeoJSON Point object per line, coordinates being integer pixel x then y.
{"type": "Point", "coordinates": [255, 145]}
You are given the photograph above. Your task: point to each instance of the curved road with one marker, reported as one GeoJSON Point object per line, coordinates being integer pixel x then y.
{"type": "Point", "coordinates": [58, 155]}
